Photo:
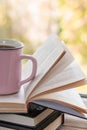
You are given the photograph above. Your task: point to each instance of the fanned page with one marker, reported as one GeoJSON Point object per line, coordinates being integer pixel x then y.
{"type": "Point", "coordinates": [47, 56]}
{"type": "Point", "coordinates": [68, 98]}
{"type": "Point", "coordinates": [71, 76]}
{"type": "Point", "coordinates": [61, 107]}
{"type": "Point", "coordinates": [55, 71]}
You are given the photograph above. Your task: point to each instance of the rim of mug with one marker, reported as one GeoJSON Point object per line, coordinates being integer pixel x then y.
{"type": "Point", "coordinates": [8, 42]}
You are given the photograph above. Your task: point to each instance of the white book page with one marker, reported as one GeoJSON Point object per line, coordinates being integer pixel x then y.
{"type": "Point", "coordinates": [14, 98]}
{"type": "Point", "coordinates": [61, 65]}
{"type": "Point", "coordinates": [47, 56]}
{"type": "Point", "coordinates": [71, 74]}
{"type": "Point", "coordinates": [56, 70]}
{"type": "Point", "coordinates": [60, 107]}
{"type": "Point", "coordinates": [69, 98]}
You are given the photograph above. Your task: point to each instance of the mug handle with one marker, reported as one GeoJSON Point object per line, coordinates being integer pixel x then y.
{"type": "Point", "coordinates": [34, 70]}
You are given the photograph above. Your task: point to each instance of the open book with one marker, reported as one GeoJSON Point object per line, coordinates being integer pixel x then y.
{"type": "Point", "coordinates": [57, 76]}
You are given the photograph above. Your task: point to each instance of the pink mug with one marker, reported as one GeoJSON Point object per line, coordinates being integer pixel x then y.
{"type": "Point", "coordinates": [11, 66]}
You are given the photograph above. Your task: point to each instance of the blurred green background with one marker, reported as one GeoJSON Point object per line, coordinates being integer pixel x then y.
{"type": "Point", "coordinates": [32, 21]}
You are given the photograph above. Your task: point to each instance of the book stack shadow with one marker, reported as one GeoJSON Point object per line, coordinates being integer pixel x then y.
{"type": "Point", "coordinates": [37, 118]}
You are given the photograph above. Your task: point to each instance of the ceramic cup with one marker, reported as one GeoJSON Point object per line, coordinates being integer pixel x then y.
{"type": "Point", "coordinates": [11, 66]}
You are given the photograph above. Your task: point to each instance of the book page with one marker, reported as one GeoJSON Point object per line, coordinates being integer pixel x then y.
{"type": "Point", "coordinates": [47, 56]}
{"type": "Point", "coordinates": [69, 98]}
{"type": "Point", "coordinates": [71, 76]}
{"type": "Point", "coordinates": [13, 103]}
{"type": "Point", "coordinates": [18, 98]}
{"type": "Point", "coordinates": [57, 69]}
{"type": "Point", "coordinates": [61, 65]}
{"type": "Point", "coordinates": [60, 107]}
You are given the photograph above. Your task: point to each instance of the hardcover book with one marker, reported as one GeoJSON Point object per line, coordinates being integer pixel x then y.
{"type": "Point", "coordinates": [57, 75]}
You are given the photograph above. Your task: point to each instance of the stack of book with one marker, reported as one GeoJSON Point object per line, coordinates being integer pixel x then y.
{"type": "Point", "coordinates": [52, 89]}
{"type": "Point", "coordinates": [37, 118]}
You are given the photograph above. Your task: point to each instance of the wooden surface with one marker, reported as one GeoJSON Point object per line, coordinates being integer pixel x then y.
{"type": "Point", "coordinates": [74, 123]}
